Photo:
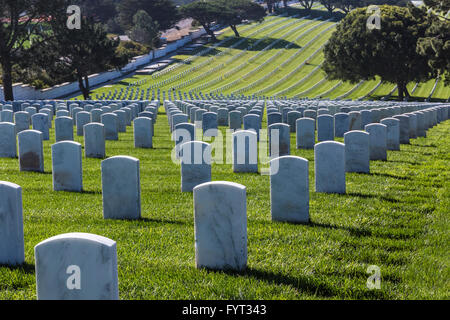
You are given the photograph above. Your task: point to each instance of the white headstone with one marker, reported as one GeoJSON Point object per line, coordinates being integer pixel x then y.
{"type": "Point", "coordinates": [76, 266]}
{"type": "Point", "coordinates": [329, 167]}
{"type": "Point", "coordinates": [195, 164]}
{"type": "Point", "coordinates": [11, 226]}
{"type": "Point", "coordinates": [289, 189]}
{"type": "Point", "coordinates": [8, 145]}
{"type": "Point", "coordinates": [94, 140]}
{"type": "Point", "coordinates": [31, 152]}
{"type": "Point", "coordinates": [66, 166]}
{"type": "Point", "coordinates": [220, 218]}
{"type": "Point", "coordinates": [357, 151]}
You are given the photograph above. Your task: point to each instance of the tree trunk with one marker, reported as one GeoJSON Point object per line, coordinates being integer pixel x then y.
{"type": "Point", "coordinates": [82, 87]}
{"type": "Point", "coordinates": [407, 96]}
{"type": "Point", "coordinates": [210, 32]}
{"type": "Point", "coordinates": [7, 79]}
{"type": "Point", "coordinates": [87, 86]}
{"type": "Point", "coordinates": [285, 3]}
{"type": "Point", "coordinates": [270, 8]}
{"type": "Point", "coordinates": [234, 28]}
{"type": "Point", "coordinates": [402, 91]}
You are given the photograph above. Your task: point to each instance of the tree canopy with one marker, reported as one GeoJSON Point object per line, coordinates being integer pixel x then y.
{"type": "Point", "coordinates": [162, 11]}
{"type": "Point", "coordinates": [205, 12]}
{"type": "Point", "coordinates": [226, 12]}
{"type": "Point", "coordinates": [435, 45]}
{"type": "Point", "coordinates": [16, 31]}
{"type": "Point", "coordinates": [307, 4]}
{"type": "Point", "coordinates": [356, 53]}
{"type": "Point", "coordinates": [145, 29]}
{"type": "Point", "coordinates": [80, 52]}
{"type": "Point", "coordinates": [234, 12]}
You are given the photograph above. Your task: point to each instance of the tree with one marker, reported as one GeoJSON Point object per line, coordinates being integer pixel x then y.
{"type": "Point", "coordinates": [330, 5]}
{"type": "Point", "coordinates": [21, 20]}
{"type": "Point", "coordinates": [100, 10]}
{"type": "Point", "coordinates": [205, 12]}
{"type": "Point", "coordinates": [307, 4]}
{"type": "Point", "coordinates": [234, 12]}
{"type": "Point", "coordinates": [145, 29]}
{"type": "Point", "coordinates": [227, 12]}
{"type": "Point", "coordinates": [436, 43]}
{"type": "Point", "coordinates": [346, 5]}
{"type": "Point", "coordinates": [349, 5]}
{"type": "Point", "coordinates": [162, 11]}
{"type": "Point", "coordinates": [80, 52]}
{"type": "Point", "coordinates": [270, 5]}
{"type": "Point", "coordinates": [356, 53]}
{"type": "Point", "coordinates": [440, 6]}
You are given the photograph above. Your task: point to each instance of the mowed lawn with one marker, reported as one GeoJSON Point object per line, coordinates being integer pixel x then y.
{"type": "Point", "coordinates": [396, 218]}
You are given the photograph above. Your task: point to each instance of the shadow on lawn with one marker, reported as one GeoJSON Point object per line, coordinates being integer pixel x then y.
{"type": "Point", "coordinates": [26, 268]}
{"type": "Point", "coordinates": [91, 192]}
{"type": "Point", "coordinates": [404, 161]}
{"type": "Point", "coordinates": [425, 145]}
{"type": "Point", "coordinates": [370, 196]}
{"type": "Point", "coordinates": [361, 232]}
{"type": "Point", "coordinates": [153, 220]}
{"type": "Point", "coordinates": [353, 231]}
{"type": "Point", "coordinates": [308, 284]}
{"type": "Point", "coordinates": [388, 175]}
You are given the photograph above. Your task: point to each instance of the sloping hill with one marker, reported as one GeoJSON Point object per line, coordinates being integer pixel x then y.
{"type": "Point", "coordinates": [280, 57]}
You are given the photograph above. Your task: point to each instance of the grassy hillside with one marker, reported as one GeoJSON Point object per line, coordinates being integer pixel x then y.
{"type": "Point", "coordinates": [279, 57]}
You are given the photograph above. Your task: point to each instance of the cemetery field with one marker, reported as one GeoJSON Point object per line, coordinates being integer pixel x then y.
{"type": "Point", "coordinates": [396, 218]}
{"type": "Point", "coordinates": [280, 57]}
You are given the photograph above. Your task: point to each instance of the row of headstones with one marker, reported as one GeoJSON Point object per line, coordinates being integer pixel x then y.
{"type": "Point", "coordinates": [328, 126]}
{"type": "Point", "coordinates": [95, 126]}
{"type": "Point", "coordinates": [84, 266]}
{"type": "Point", "coordinates": [411, 125]}
{"type": "Point", "coordinates": [66, 155]}
{"type": "Point", "coordinates": [81, 116]}
{"type": "Point", "coordinates": [345, 118]}
{"type": "Point", "coordinates": [334, 107]}
{"type": "Point", "coordinates": [20, 105]}
{"type": "Point", "coordinates": [385, 136]}
{"type": "Point", "coordinates": [359, 148]}
{"type": "Point", "coordinates": [209, 121]}
{"type": "Point", "coordinates": [334, 159]}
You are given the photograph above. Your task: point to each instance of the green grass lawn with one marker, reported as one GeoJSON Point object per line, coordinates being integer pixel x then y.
{"type": "Point", "coordinates": [396, 217]}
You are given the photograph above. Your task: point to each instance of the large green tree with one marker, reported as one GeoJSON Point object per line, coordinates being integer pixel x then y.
{"type": "Point", "coordinates": [271, 5]}
{"type": "Point", "coordinates": [234, 12]}
{"type": "Point", "coordinates": [145, 29]}
{"type": "Point", "coordinates": [440, 6]}
{"type": "Point", "coordinates": [330, 5]}
{"type": "Point", "coordinates": [21, 20]}
{"type": "Point", "coordinates": [349, 5]}
{"type": "Point", "coordinates": [162, 11]}
{"type": "Point", "coordinates": [307, 4]}
{"type": "Point", "coordinates": [101, 10]}
{"type": "Point", "coordinates": [226, 12]}
{"type": "Point", "coordinates": [205, 12]}
{"type": "Point", "coordinates": [355, 52]}
{"type": "Point", "coordinates": [78, 52]}
{"type": "Point", "coordinates": [436, 43]}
